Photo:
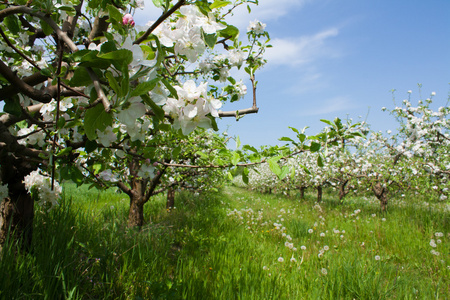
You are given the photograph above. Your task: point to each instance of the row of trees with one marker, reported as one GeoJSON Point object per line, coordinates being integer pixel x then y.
{"type": "Point", "coordinates": [415, 159]}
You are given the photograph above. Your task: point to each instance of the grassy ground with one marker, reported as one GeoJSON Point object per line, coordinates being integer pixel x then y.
{"type": "Point", "coordinates": [232, 245]}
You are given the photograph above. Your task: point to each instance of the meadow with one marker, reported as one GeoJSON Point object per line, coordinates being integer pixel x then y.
{"type": "Point", "coordinates": [235, 244]}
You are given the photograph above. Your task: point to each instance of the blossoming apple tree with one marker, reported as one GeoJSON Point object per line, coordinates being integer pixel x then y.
{"type": "Point", "coordinates": [89, 94]}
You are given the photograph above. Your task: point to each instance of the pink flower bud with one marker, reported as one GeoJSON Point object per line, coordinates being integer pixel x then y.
{"type": "Point", "coordinates": [128, 20]}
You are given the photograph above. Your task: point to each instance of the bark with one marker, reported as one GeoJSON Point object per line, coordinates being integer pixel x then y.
{"type": "Point", "coordinates": [137, 201]}
{"type": "Point", "coordinates": [170, 198]}
{"type": "Point", "coordinates": [16, 221]}
{"type": "Point", "coordinates": [342, 191]}
{"type": "Point", "coordinates": [302, 192]}
{"type": "Point", "coordinates": [381, 194]}
{"type": "Point", "coordinates": [16, 211]}
{"type": "Point", "coordinates": [319, 194]}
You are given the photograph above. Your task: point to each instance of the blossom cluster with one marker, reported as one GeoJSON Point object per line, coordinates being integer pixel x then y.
{"type": "Point", "coordinates": [40, 186]}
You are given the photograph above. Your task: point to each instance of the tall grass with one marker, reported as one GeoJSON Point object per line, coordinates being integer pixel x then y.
{"type": "Point", "coordinates": [232, 245]}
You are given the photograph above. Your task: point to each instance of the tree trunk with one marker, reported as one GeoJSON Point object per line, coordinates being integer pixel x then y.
{"type": "Point", "coordinates": [136, 214]}
{"type": "Point", "coordinates": [137, 201]}
{"type": "Point", "coordinates": [381, 194]}
{"type": "Point", "coordinates": [302, 192]}
{"type": "Point", "coordinates": [16, 211]}
{"type": "Point", "coordinates": [170, 199]}
{"type": "Point", "coordinates": [16, 220]}
{"type": "Point", "coordinates": [319, 194]}
{"type": "Point", "coordinates": [342, 191]}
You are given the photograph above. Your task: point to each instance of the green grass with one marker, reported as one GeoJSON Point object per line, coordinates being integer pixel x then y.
{"type": "Point", "coordinates": [225, 246]}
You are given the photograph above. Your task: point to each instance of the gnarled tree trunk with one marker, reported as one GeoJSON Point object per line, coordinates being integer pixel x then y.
{"type": "Point", "coordinates": [342, 191]}
{"type": "Point", "coordinates": [16, 211]}
{"type": "Point", "coordinates": [381, 194]}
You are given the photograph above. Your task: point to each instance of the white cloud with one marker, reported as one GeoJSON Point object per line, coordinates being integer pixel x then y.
{"type": "Point", "coordinates": [335, 104]}
{"type": "Point", "coordinates": [301, 50]}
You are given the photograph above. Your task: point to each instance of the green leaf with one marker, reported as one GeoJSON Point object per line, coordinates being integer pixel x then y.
{"type": "Point", "coordinates": [48, 30]}
{"type": "Point", "coordinates": [251, 148]}
{"type": "Point", "coordinates": [96, 118]}
{"type": "Point", "coordinates": [64, 151]}
{"type": "Point", "coordinates": [175, 152]}
{"type": "Point", "coordinates": [144, 87]}
{"type": "Point", "coordinates": [314, 147]}
{"type": "Point", "coordinates": [171, 89]}
{"type": "Point", "coordinates": [108, 46]}
{"type": "Point", "coordinates": [46, 72]}
{"type": "Point", "coordinates": [72, 173]}
{"type": "Point", "coordinates": [320, 161]}
{"type": "Point", "coordinates": [284, 171]}
{"type": "Point", "coordinates": [97, 167]}
{"type": "Point", "coordinates": [238, 142]}
{"type": "Point", "coordinates": [235, 158]}
{"type": "Point", "coordinates": [219, 3]}
{"type": "Point", "coordinates": [210, 40]}
{"type": "Point", "coordinates": [90, 146]}
{"type": "Point", "coordinates": [113, 84]}
{"type": "Point", "coordinates": [80, 78]}
{"type": "Point", "coordinates": [245, 175]}
{"type": "Point", "coordinates": [230, 32]}
{"type": "Point", "coordinates": [327, 122]}
{"type": "Point", "coordinates": [158, 3]}
{"type": "Point", "coordinates": [202, 154]}
{"type": "Point", "coordinates": [214, 125]}
{"type": "Point", "coordinates": [274, 167]}
{"type": "Point", "coordinates": [286, 139]}
{"type": "Point", "coordinates": [119, 58]}
{"type": "Point", "coordinates": [13, 107]}
{"type": "Point", "coordinates": [114, 13]}
{"type": "Point", "coordinates": [301, 137]}
{"type": "Point", "coordinates": [159, 112]}
{"type": "Point", "coordinates": [91, 60]}
{"type": "Point", "coordinates": [294, 130]}
{"type": "Point", "coordinates": [61, 122]}
{"type": "Point", "coordinates": [13, 24]}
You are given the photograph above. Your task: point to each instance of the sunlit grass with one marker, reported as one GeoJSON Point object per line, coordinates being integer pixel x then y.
{"type": "Point", "coordinates": [232, 245]}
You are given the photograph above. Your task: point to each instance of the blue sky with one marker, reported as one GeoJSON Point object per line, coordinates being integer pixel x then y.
{"type": "Point", "coordinates": [342, 58]}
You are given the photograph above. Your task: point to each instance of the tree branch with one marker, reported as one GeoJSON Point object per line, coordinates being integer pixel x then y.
{"type": "Point", "coordinates": [65, 38]}
{"type": "Point", "coordinates": [159, 21]}
{"type": "Point", "coordinates": [41, 96]}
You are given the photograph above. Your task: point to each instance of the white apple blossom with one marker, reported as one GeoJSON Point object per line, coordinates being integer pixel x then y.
{"type": "Point", "coordinates": [41, 186]}
{"type": "Point", "coordinates": [107, 175]}
{"type": "Point", "coordinates": [147, 171]}
{"type": "Point", "coordinates": [134, 110]}
{"type": "Point", "coordinates": [256, 27]}
{"type": "Point", "coordinates": [106, 137]}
